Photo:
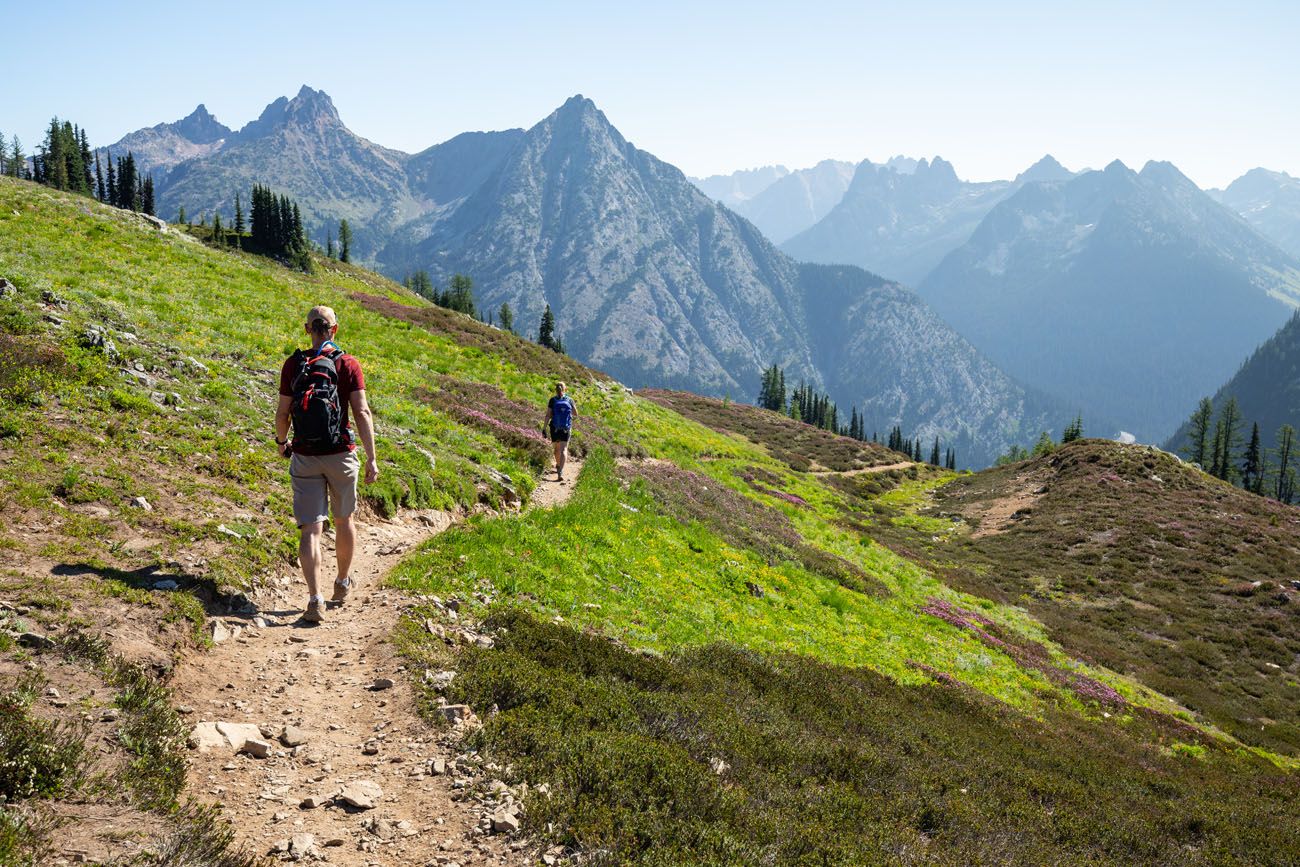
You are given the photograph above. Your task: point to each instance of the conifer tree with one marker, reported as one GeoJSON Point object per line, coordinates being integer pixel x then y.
{"type": "Point", "coordinates": [180, 214]}
{"type": "Point", "coordinates": [1198, 435]}
{"type": "Point", "coordinates": [17, 159]}
{"type": "Point", "coordinates": [934, 453]}
{"type": "Point", "coordinates": [112, 180]}
{"type": "Point", "coordinates": [218, 236]}
{"type": "Point", "coordinates": [1250, 464]}
{"type": "Point", "coordinates": [1230, 416]}
{"type": "Point", "coordinates": [507, 317]}
{"type": "Point", "coordinates": [546, 330]}
{"type": "Point", "coordinates": [345, 241]}
{"type": "Point", "coordinates": [100, 192]}
{"type": "Point", "coordinates": [329, 242]}
{"type": "Point", "coordinates": [239, 215]}
{"type": "Point", "coordinates": [84, 155]}
{"type": "Point", "coordinates": [146, 196]}
{"type": "Point", "coordinates": [1284, 485]}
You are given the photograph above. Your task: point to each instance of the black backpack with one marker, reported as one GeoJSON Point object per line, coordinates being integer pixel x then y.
{"type": "Point", "coordinates": [317, 414]}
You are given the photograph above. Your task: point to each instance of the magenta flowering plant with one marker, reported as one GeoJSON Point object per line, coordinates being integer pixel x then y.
{"type": "Point", "coordinates": [1027, 654]}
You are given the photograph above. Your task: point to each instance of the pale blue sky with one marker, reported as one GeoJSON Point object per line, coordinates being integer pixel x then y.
{"type": "Point", "coordinates": [710, 87]}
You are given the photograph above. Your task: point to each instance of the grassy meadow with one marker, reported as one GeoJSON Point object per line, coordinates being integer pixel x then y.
{"type": "Point", "coordinates": [724, 649]}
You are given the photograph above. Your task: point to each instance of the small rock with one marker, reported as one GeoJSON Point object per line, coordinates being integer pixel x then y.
{"type": "Point", "coordinates": [167, 584]}
{"type": "Point", "coordinates": [505, 823]}
{"type": "Point", "coordinates": [218, 631]}
{"type": "Point", "coordinates": [256, 748]}
{"type": "Point", "coordinates": [438, 767]}
{"type": "Point", "coordinates": [184, 709]}
{"type": "Point", "coordinates": [370, 748]}
{"type": "Point", "coordinates": [35, 640]}
{"type": "Point", "coordinates": [222, 528]}
{"type": "Point", "coordinates": [302, 845]}
{"type": "Point", "coordinates": [141, 503]}
{"type": "Point", "coordinates": [292, 736]}
{"type": "Point", "coordinates": [237, 734]}
{"type": "Point", "coordinates": [754, 589]}
{"type": "Point", "coordinates": [205, 737]}
{"type": "Point", "coordinates": [311, 802]}
{"type": "Point", "coordinates": [456, 712]}
{"type": "Point", "coordinates": [111, 714]}
{"type": "Point", "coordinates": [381, 684]}
{"type": "Point", "coordinates": [361, 794]}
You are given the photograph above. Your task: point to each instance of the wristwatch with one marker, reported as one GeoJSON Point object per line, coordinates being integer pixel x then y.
{"type": "Point", "coordinates": [281, 442]}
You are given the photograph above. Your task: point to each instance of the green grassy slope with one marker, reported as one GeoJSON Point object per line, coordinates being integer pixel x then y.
{"type": "Point", "coordinates": [710, 654]}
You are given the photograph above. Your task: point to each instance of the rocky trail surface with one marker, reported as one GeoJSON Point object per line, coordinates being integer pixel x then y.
{"type": "Point", "coordinates": [309, 738]}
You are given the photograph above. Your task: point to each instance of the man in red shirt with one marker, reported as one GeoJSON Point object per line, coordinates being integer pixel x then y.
{"type": "Point", "coordinates": [317, 389]}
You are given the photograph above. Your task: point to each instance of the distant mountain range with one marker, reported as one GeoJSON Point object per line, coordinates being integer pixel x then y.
{"type": "Point", "coordinates": [1086, 288]}
{"type": "Point", "coordinates": [648, 277]}
{"type": "Point", "coordinates": [1269, 201]}
{"type": "Point", "coordinates": [1132, 293]}
{"type": "Point", "coordinates": [787, 204]}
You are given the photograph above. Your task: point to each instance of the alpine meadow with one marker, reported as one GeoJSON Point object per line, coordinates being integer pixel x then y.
{"type": "Point", "coordinates": [516, 497]}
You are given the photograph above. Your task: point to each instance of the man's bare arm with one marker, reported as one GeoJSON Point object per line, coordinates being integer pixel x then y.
{"type": "Point", "coordinates": [282, 420]}
{"type": "Point", "coordinates": [366, 428]}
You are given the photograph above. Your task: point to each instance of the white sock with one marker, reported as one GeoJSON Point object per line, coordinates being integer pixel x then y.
{"type": "Point", "coordinates": [319, 597]}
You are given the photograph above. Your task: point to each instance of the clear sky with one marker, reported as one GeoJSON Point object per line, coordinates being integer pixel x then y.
{"type": "Point", "coordinates": [708, 86]}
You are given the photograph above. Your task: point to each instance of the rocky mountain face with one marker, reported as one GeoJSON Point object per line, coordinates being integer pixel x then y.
{"type": "Point", "coordinates": [740, 186]}
{"type": "Point", "coordinates": [1269, 201]}
{"type": "Point", "coordinates": [655, 283]}
{"type": "Point", "coordinates": [647, 276]}
{"type": "Point", "coordinates": [798, 200]}
{"type": "Point", "coordinates": [1132, 294]}
{"type": "Point", "coordinates": [1267, 388]}
{"type": "Point", "coordinates": [897, 223]}
{"type": "Point", "coordinates": [300, 147]}
{"type": "Point", "coordinates": [160, 148]}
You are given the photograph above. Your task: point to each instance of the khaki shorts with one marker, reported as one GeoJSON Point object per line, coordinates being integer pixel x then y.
{"type": "Point", "coordinates": [322, 483]}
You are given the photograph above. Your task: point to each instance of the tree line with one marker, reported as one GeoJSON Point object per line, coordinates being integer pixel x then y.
{"type": "Point", "coordinates": [1045, 445]}
{"type": "Point", "coordinates": [65, 161]}
{"type": "Point", "coordinates": [1217, 444]}
{"type": "Point", "coordinates": [806, 404]}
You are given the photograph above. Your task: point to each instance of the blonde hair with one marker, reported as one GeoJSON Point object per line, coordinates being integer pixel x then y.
{"type": "Point", "coordinates": [559, 389]}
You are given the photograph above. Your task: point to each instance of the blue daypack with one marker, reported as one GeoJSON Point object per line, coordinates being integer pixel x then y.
{"type": "Point", "coordinates": [561, 412]}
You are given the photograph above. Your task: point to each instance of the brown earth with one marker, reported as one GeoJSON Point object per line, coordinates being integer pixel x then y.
{"type": "Point", "coordinates": [330, 681]}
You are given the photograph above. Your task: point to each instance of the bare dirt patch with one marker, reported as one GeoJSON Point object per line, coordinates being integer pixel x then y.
{"type": "Point", "coordinates": [344, 689]}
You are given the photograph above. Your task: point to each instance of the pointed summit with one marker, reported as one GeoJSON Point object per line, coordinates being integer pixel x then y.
{"type": "Point", "coordinates": [310, 108]}
{"type": "Point", "coordinates": [200, 127]}
{"type": "Point", "coordinates": [1046, 169]}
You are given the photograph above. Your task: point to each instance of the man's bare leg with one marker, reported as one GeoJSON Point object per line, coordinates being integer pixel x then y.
{"type": "Point", "coordinates": [309, 554]}
{"type": "Point", "coordinates": [345, 539]}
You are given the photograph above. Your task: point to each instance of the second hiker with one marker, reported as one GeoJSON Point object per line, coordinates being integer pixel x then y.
{"type": "Point", "coordinates": [318, 387]}
{"type": "Point", "coordinates": [560, 412]}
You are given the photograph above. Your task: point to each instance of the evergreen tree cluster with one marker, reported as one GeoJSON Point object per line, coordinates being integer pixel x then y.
{"type": "Point", "coordinates": [458, 296]}
{"type": "Point", "coordinates": [65, 162]}
{"type": "Point", "coordinates": [814, 408]}
{"type": "Point", "coordinates": [772, 393]}
{"type": "Point", "coordinates": [817, 409]}
{"type": "Point", "coordinates": [276, 228]}
{"type": "Point", "coordinates": [13, 162]}
{"type": "Point", "coordinates": [1216, 445]}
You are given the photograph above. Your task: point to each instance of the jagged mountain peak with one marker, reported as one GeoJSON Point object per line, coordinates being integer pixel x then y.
{"type": "Point", "coordinates": [1166, 175]}
{"type": "Point", "coordinates": [200, 127]}
{"type": "Point", "coordinates": [308, 108]}
{"type": "Point", "coordinates": [1046, 169]}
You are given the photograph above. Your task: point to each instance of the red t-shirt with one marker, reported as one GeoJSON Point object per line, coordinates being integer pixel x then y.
{"type": "Point", "coordinates": [350, 379]}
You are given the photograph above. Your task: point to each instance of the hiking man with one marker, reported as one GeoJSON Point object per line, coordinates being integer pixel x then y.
{"type": "Point", "coordinates": [560, 411]}
{"type": "Point", "coordinates": [318, 387]}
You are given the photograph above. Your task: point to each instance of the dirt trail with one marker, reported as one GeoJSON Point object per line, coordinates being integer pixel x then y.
{"type": "Point", "coordinates": [864, 471]}
{"type": "Point", "coordinates": [331, 682]}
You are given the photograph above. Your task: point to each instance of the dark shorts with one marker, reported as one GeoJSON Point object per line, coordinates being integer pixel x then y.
{"type": "Point", "coordinates": [559, 434]}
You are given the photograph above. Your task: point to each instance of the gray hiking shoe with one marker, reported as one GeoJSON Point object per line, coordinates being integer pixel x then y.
{"type": "Point", "coordinates": [315, 612]}
{"type": "Point", "coordinates": [341, 591]}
